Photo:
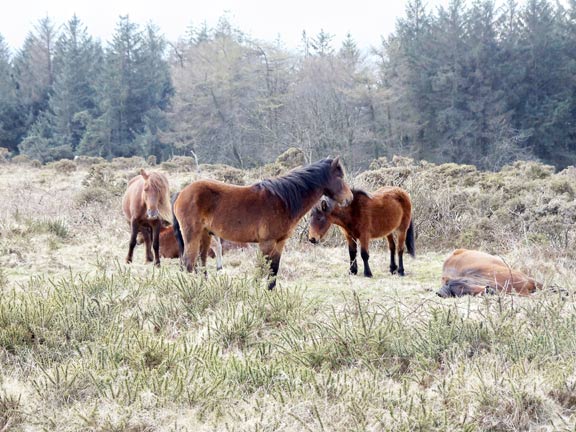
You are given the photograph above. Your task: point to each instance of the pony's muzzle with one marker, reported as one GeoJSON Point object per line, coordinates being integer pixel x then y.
{"type": "Point", "coordinates": [152, 214]}
{"type": "Point", "coordinates": [445, 291]}
{"type": "Point", "coordinates": [312, 240]}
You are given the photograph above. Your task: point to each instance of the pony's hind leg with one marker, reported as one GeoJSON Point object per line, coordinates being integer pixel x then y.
{"type": "Point", "coordinates": [204, 248]}
{"type": "Point", "coordinates": [191, 248]}
{"type": "Point", "coordinates": [401, 245]}
{"type": "Point", "coordinates": [365, 256]}
{"type": "Point", "coordinates": [392, 249]}
{"type": "Point", "coordinates": [132, 244]}
{"type": "Point", "coordinates": [405, 233]}
{"type": "Point", "coordinates": [218, 252]}
{"type": "Point", "coordinates": [352, 251]}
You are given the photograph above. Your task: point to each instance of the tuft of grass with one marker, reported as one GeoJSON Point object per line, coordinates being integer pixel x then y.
{"type": "Point", "coordinates": [3, 279]}
{"type": "Point", "coordinates": [10, 411]}
{"type": "Point", "coordinates": [58, 227]}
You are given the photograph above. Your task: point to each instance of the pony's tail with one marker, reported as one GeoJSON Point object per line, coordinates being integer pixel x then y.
{"type": "Point", "coordinates": [176, 226]}
{"type": "Point", "coordinates": [410, 240]}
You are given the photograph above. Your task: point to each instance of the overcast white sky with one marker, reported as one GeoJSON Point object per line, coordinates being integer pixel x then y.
{"type": "Point", "coordinates": [366, 20]}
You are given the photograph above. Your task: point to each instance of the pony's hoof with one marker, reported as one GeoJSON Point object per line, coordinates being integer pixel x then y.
{"type": "Point", "coordinates": [354, 271]}
{"type": "Point", "coordinates": [401, 273]}
{"type": "Point", "coordinates": [368, 274]}
{"type": "Point", "coordinates": [128, 260]}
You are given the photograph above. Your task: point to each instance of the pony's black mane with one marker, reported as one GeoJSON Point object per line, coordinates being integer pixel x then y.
{"type": "Point", "coordinates": [356, 192]}
{"type": "Point", "coordinates": [331, 203]}
{"type": "Point", "coordinates": [298, 184]}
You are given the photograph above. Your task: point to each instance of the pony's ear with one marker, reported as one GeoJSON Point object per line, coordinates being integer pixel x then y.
{"type": "Point", "coordinates": [144, 174]}
{"type": "Point", "coordinates": [324, 205]}
{"type": "Point", "coordinates": [335, 161]}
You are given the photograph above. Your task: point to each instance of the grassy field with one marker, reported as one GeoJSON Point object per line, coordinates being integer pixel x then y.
{"type": "Point", "coordinates": [89, 343]}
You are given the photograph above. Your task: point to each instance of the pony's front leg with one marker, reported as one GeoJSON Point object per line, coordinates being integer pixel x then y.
{"type": "Point", "coordinates": [365, 256]}
{"type": "Point", "coordinates": [147, 235]}
{"type": "Point", "coordinates": [132, 244]}
{"type": "Point", "coordinates": [272, 252]}
{"type": "Point", "coordinates": [156, 242]}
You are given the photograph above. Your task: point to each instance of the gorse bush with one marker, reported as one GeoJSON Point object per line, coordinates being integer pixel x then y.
{"type": "Point", "coordinates": [103, 176]}
{"type": "Point", "coordinates": [92, 195]}
{"type": "Point", "coordinates": [459, 206]}
{"type": "Point", "coordinates": [63, 166]}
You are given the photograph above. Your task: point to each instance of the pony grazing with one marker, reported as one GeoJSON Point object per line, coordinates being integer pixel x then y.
{"type": "Point", "coordinates": [146, 205]}
{"type": "Point", "coordinates": [369, 216]}
{"type": "Point", "coordinates": [473, 272]}
{"type": "Point", "coordinates": [265, 213]}
{"type": "Point", "coordinates": [169, 246]}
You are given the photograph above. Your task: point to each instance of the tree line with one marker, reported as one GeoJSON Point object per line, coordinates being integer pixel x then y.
{"type": "Point", "coordinates": [469, 83]}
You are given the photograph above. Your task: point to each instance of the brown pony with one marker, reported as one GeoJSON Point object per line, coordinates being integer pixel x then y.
{"type": "Point", "coordinates": [369, 216]}
{"type": "Point", "coordinates": [473, 272]}
{"type": "Point", "coordinates": [168, 243]}
{"type": "Point", "coordinates": [169, 246]}
{"type": "Point", "coordinates": [265, 213]}
{"type": "Point", "coordinates": [146, 205]}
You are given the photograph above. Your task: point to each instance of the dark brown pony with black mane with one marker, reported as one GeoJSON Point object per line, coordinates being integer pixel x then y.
{"type": "Point", "coordinates": [369, 216]}
{"type": "Point", "coordinates": [472, 272]}
{"type": "Point", "coordinates": [146, 205]}
{"type": "Point", "coordinates": [265, 213]}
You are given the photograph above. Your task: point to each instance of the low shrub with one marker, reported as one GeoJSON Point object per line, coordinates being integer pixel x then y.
{"type": "Point", "coordinates": [63, 166]}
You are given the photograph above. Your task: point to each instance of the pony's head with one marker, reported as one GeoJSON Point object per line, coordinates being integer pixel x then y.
{"type": "Point", "coordinates": [319, 219]}
{"type": "Point", "coordinates": [155, 196]}
{"type": "Point", "coordinates": [462, 287]}
{"type": "Point", "coordinates": [336, 188]}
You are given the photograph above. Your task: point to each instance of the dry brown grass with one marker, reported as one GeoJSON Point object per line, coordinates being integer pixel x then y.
{"type": "Point", "coordinates": [88, 343]}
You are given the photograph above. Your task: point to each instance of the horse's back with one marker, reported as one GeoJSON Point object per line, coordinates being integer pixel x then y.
{"type": "Point", "coordinates": [394, 194]}
{"type": "Point", "coordinates": [467, 258]}
{"type": "Point", "coordinates": [132, 199]}
{"type": "Point", "coordinates": [229, 211]}
{"type": "Point", "coordinates": [205, 191]}
{"type": "Point", "coordinates": [389, 208]}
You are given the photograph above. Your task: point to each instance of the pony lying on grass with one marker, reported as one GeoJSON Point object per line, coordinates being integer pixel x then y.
{"type": "Point", "coordinates": [473, 272]}
{"type": "Point", "coordinates": [146, 205]}
{"type": "Point", "coordinates": [379, 214]}
{"type": "Point", "coordinates": [265, 213]}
